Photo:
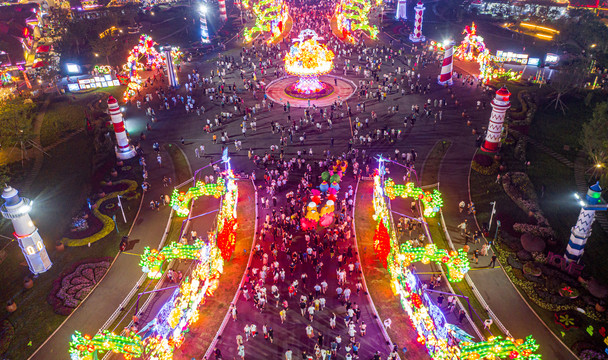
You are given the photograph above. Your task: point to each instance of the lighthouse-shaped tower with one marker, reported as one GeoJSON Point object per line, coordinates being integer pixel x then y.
{"type": "Point", "coordinates": [223, 15]}
{"type": "Point", "coordinates": [124, 150]}
{"type": "Point", "coordinates": [17, 209]}
{"type": "Point", "coordinates": [500, 104]}
{"type": "Point", "coordinates": [401, 13]}
{"type": "Point", "coordinates": [170, 67]}
{"type": "Point", "coordinates": [416, 35]}
{"type": "Point", "coordinates": [447, 66]}
{"type": "Point", "coordinates": [582, 230]}
{"type": "Point", "coordinates": [204, 29]}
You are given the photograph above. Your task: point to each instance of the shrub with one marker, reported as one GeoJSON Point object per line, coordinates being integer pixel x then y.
{"type": "Point", "coordinates": [484, 164]}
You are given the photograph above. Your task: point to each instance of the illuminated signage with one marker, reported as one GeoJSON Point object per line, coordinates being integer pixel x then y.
{"type": "Point", "coordinates": [533, 61]}
{"type": "Point", "coordinates": [551, 59]}
{"type": "Point", "coordinates": [508, 56]}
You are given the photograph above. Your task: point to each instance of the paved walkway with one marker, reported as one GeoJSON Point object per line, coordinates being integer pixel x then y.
{"type": "Point", "coordinates": [123, 275]}
{"type": "Point", "coordinates": [562, 159]}
{"type": "Point", "coordinates": [492, 283]}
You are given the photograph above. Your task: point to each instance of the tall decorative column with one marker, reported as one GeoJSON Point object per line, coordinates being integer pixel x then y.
{"type": "Point", "coordinates": [124, 150]}
{"type": "Point", "coordinates": [401, 13]}
{"type": "Point", "coordinates": [582, 230]}
{"type": "Point", "coordinates": [223, 15]}
{"type": "Point", "coordinates": [416, 35]}
{"type": "Point", "coordinates": [16, 209]}
{"type": "Point", "coordinates": [171, 75]}
{"type": "Point", "coordinates": [204, 30]}
{"type": "Point", "coordinates": [500, 104]}
{"type": "Point", "coordinates": [447, 66]}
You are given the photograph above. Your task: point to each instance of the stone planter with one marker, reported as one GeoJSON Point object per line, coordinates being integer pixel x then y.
{"type": "Point", "coordinates": [11, 306]}
{"type": "Point", "coordinates": [59, 246]}
{"type": "Point", "coordinates": [28, 283]}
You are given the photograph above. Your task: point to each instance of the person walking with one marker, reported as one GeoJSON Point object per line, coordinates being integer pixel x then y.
{"type": "Point", "coordinates": [283, 315]}
{"type": "Point", "coordinates": [493, 261]}
{"type": "Point", "coordinates": [289, 354]}
{"type": "Point", "coordinates": [271, 335]}
{"type": "Point", "coordinates": [247, 332]}
{"type": "Point", "coordinates": [476, 256]}
{"type": "Point", "coordinates": [309, 331]}
{"type": "Point", "coordinates": [239, 340]}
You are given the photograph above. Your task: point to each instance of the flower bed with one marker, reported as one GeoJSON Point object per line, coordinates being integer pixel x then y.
{"type": "Point", "coordinates": [519, 188]}
{"type": "Point", "coordinates": [108, 223]}
{"type": "Point", "coordinates": [76, 283]}
{"type": "Point", "coordinates": [485, 164]}
{"type": "Point", "coordinates": [531, 269]}
{"type": "Point", "coordinates": [94, 225]}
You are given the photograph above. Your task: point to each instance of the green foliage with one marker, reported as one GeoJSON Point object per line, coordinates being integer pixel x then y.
{"type": "Point", "coordinates": [16, 117]}
{"type": "Point", "coordinates": [594, 137]}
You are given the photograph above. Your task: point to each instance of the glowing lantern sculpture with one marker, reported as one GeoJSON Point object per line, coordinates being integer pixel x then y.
{"type": "Point", "coordinates": [308, 59]}
{"type": "Point", "coordinates": [473, 48]}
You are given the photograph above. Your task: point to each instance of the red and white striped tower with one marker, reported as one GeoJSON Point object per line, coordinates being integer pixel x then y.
{"type": "Point", "coordinates": [446, 68]}
{"type": "Point", "coordinates": [416, 36]}
{"type": "Point", "coordinates": [500, 104]}
{"type": "Point", "coordinates": [223, 15]}
{"type": "Point", "coordinates": [124, 150]}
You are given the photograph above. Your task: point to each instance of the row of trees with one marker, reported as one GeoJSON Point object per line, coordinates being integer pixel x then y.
{"type": "Point", "coordinates": [594, 140]}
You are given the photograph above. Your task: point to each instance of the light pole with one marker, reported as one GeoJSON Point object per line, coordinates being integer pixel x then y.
{"type": "Point", "coordinates": [493, 203]}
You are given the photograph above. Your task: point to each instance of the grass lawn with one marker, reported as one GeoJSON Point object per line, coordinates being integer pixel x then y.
{"type": "Point", "coordinates": [34, 319]}
{"type": "Point", "coordinates": [430, 168]}
{"type": "Point", "coordinates": [63, 116]}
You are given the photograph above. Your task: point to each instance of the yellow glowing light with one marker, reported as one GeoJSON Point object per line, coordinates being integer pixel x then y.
{"type": "Point", "coordinates": [310, 58]}
{"type": "Point", "coordinates": [538, 27]}
{"type": "Point", "coordinates": [544, 36]}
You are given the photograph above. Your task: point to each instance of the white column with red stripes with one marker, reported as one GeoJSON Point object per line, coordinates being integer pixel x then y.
{"type": "Point", "coordinates": [223, 15]}
{"type": "Point", "coordinates": [500, 104]}
{"type": "Point", "coordinates": [447, 66]}
{"type": "Point", "coordinates": [124, 150]}
{"type": "Point", "coordinates": [416, 35]}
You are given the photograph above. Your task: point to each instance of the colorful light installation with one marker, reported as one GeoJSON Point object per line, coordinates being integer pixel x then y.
{"type": "Point", "coordinates": [84, 346]}
{"type": "Point", "coordinates": [180, 201]}
{"type": "Point", "coordinates": [152, 260]}
{"type": "Point", "coordinates": [456, 262]}
{"type": "Point", "coordinates": [308, 59]}
{"type": "Point", "coordinates": [144, 56]}
{"type": "Point", "coordinates": [497, 347]}
{"type": "Point", "coordinates": [353, 15]}
{"type": "Point", "coordinates": [270, 16]}
{"type": "Point", "coordinates": [473, 48]}
{"type": "Point", "coordinates": [172, 322]}
{"type": "Point", "coordinates": [442, 340]}
{"type": "Point", "coordinates": [432, 202]}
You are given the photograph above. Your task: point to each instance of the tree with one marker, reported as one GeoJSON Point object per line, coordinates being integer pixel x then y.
{"type": "Point", "coordinates": [594, 137]}
{"type": "Point", "coordinates": [5, 177]}
{"type": "Point", "coordinates": [104, 46]}
{"type": "Point", "coordinates": [571, 76]}
{"type": "Point", "coordinates": [16, 118]}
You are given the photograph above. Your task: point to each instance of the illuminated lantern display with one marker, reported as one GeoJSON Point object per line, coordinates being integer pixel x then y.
{"type": "Point", "coordinates": [416, 35]}
{"type": "Point", "coordinates": [144, 56]}
{"type": "Point", "coordinates": [497, 347]}
{"type": "Point", "coordinates": [500, 104]}
{"type": "Point", "coordinates": [85, 346]}
{"type": "Point", "coordinates": [447, 66]}
{"type": "Point", "coordinates": [432, 202]}
{"type": "Point", "coordinates": [473, 48]}
{"type": "Point", "coordinates": [353, 15]}
{"type": "Point", "coordinates": [270, 17]}
{"type": "Point", "coordinates": [180, 201]}
{"type": "Point", "coordinates": [166, 331]}
{"type": "Point", "coordinates": [152, 260]}
{"type": "Point", "coordinates": [382, 243]}
{"type": "Point", "coordinates": [16, 209]}
{"type": "Point", "coordinates": [442, 340]}
{"type": "Point", "coordinates": [308, 59]}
